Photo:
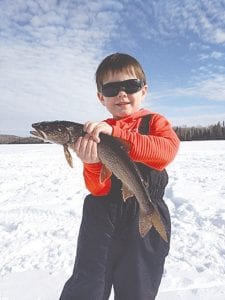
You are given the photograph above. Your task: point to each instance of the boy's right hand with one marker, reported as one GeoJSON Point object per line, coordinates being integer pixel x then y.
{"type": "Point", "coordinates": [86, 149]}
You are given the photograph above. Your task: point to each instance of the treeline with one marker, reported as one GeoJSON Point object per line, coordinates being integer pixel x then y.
{"type": "Point", "coordinates": [194, 133]}
{"type": "Point", "coordinates": [14, 139]}
{"type": "Point", "coordinates": [212, 132]}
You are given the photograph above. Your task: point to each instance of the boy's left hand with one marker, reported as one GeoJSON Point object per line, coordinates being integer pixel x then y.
{"type": "Point", "coordinates": [94, 129]}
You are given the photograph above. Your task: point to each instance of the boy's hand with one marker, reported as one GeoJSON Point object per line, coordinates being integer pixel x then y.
{"type": "Point", "coordinates": [94, 129]}
{"type": "Point", "coordinates": [86, 149]}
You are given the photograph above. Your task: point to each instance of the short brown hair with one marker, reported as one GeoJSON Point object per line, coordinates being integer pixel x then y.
{"type": "Point", "coordinates": [118, 62]}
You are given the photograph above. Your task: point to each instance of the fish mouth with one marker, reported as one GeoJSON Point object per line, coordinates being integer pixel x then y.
{"type": "Point", "coordinates": [38, 134]}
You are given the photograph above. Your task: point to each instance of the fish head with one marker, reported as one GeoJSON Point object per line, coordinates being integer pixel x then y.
{"type": "Point", "coordinates": [54, 132]}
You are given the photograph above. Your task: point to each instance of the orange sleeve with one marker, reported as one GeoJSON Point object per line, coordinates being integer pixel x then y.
{"type": "Point", "coordinates": [157, 149]}
{"type": "Point", "coordinates": [91, 173]}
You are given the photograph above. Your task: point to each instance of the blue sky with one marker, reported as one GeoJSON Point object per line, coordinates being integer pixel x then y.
{"type": "Point", "coordinates": [49, 51]}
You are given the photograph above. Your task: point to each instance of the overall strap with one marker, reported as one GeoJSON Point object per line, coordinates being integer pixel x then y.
{"type": "Point", "coordinates": [144, 125]}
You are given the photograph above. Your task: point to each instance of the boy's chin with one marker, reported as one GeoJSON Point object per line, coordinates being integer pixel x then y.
{"type": "Point", "coordinates": [122, 115]}
{"type": "Point", "coordinates": [125, 113]}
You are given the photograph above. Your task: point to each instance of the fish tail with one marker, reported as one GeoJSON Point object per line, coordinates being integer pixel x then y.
{"type": "Point", "coordinates": [146, 221]}
{"type": "Point", "coordinates": [158, 225]}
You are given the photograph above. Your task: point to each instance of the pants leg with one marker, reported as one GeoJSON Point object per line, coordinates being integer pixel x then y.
{"type": "Point", "coordinates": [111, 251]}
{"type": "Point", "coordinates": [138, 272]}
{"type": "Point", "coordinates": [91, 279]}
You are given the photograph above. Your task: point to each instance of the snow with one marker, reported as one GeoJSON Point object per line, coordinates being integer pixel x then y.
{"type": "Point", "coordinates": [41, 201]}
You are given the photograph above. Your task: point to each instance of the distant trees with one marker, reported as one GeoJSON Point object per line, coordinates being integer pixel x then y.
{"type": "Point", "coordinates": [185, 133]}
{"type": "Point", "coordinates": [212, 132]}
{"type": "Point", "coordinates": [13, 139]}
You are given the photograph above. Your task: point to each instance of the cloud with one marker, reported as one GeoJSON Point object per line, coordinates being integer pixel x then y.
{"type": "Point", "coordinates": [211, 89]}
{"type": "Point", "coordinates": [48, 56]}
{"type": "Point", "coordinates": [214, 54]}
{"type": "Point", "coordinates": [54, 22]}
{"type": "Point", "coordinates": [191, 114]}
{"type": "Point", "coordinates": [220, 36]}
{"type": "Point", "coordinates": [166, 20]}
{"type": "Point", "coordinates": [50, 50]}
{"type": "Point", "coordinates": [202, 119]}
{"type": "Point", "coordinates": [41, 83]}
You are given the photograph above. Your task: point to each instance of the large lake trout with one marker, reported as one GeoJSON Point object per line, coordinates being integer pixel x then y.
{"type": "Point", "coordinates": [113, 154]}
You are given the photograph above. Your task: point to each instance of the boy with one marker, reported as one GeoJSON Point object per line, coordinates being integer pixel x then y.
{"type": "Point", "coordinates": [110, 250]}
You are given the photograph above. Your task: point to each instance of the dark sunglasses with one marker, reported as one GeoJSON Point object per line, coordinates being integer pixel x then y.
{"type": "Point", "coordinates": [129, 86]}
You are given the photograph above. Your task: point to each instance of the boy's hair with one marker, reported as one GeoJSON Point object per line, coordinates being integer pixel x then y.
{"type": "Point", "coordinates": [118, 62]}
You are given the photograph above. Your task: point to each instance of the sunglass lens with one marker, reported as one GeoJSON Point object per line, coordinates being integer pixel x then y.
{"type": "Point", "coordinates": [129, 86]}
{"type": "Point", "coordinates": [110, 91]}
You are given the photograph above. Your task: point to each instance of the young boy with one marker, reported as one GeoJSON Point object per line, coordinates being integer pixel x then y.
{"type": "Point", "coordinates": [110, 250]}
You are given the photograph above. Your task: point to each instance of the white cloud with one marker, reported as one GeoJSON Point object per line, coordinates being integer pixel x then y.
{"type": "Point", "coordinates": [212, 88]}
{"type": "Point", "coordinates": [220, 35]}
{"type": "Point", "coordinates": [171, 19]}
{"type": "Point", "coordinates": [202, 119]}
{"type": "Point", "coordinates": [50, 22]}
{"type": "Point", "coordinates": [49, 53]}
{"type": "Point", "coordinates": [50, 50]}
{"type": "Point", "coordinates": [46, 84]}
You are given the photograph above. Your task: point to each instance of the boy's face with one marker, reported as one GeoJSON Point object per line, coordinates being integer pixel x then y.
{"type": "Point", "coordinates": [123, 104]}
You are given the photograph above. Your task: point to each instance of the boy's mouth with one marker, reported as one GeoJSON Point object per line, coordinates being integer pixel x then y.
{"type": "Point", "coordinates": [123, 103]}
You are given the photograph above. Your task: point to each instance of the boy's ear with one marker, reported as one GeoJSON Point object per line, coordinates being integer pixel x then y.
{"type": "Point", "coordinates": [101, 98]}
{"type": "Point", "coordinates": [144, 90]}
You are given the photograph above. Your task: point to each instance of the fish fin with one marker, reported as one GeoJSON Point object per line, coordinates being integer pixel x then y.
{"type": "Point", "coordinates": [105, 173]}
{"type": "Point", "coordinates": [68, 156]}
{"type": "Point", "coordinates": [158, 225]}
{"type": "Point", "coordinates": [126, 192]}
{"type": "Point", "coordinates": [145, 223]}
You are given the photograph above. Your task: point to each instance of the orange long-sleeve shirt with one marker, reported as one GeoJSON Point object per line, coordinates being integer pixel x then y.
{"type": "Point", "coordinates": [156, 150]}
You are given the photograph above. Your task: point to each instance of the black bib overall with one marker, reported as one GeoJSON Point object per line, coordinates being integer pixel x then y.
{"type": "Point", "coordinates": [110, 250]}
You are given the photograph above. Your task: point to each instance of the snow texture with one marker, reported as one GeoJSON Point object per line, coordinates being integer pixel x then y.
{"type": "Point", "coordinates": [40, 212]}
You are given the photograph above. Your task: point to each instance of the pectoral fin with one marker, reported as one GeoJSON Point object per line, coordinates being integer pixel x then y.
{"type": "Point", "coordinates": [105, 173]}
{"type": "Point", "coordinates": [126, 192]}
{"type": "Point", "coordinates": [68, 155]}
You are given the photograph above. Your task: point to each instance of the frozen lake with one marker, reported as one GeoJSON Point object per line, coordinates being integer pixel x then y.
{"type": "Point", "coordinates": [40, 211]}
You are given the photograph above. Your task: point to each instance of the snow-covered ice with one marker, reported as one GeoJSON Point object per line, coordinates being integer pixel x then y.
{"type": "Point", "coordinates": [40, 211]}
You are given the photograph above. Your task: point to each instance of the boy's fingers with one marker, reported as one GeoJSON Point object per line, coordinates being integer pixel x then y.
{"type": "Point", "coordinates": [94, 129]}
{"type": "Point", "coordinates": [80, 146]}
{"type": "Point", "coordinates": [86, 149]}
{"type": "Point", "coordinates": [89, 126]}
{"type": "Point", "coordinates": [91, 149]}
{"type": "Point", "coordinates": [76, 146]}
{"type": "Point", "coordinates": [86, 126]}
{"type": "Point", "coordinates": [95, 133]}
{"type": "Point", "coordinates": [83, 144]}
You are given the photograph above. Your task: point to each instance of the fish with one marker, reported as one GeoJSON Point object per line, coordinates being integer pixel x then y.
{"type": "Point", "coordinates": [113, 154]}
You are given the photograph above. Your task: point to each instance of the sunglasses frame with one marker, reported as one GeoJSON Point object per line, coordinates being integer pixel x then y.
{"type": "Point", "coordinates": [129, 86]}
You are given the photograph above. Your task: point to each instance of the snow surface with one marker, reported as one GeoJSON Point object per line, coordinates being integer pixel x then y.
{"type": "Point", "coordinates": [40, 211]}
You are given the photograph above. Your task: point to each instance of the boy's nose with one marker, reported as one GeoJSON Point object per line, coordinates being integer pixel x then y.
{"type": "Point", "coordinates": [122, 92]}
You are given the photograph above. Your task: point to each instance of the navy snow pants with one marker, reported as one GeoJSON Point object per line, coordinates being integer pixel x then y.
{"type": "Point", "coordinates": [110, 251]}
